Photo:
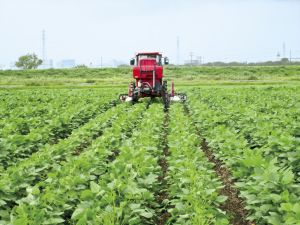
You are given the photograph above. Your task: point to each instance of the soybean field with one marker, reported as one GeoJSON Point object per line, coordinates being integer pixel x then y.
{"type": "Point", "coordinates": [228, 155]}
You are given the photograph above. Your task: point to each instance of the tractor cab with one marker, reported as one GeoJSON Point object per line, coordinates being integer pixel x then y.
{"type": "Point", "coordinates": [148, 58]}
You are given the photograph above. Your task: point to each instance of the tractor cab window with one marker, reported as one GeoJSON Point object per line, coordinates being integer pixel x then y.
{"type": "Point", "coordinates": [156, 57]}
{"type": "Point", "coordinates": [158, 60]}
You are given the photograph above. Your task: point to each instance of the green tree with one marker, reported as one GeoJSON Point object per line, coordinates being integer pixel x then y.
{"type": "Point", "coordinates": [284, 60]}
{"type": "Point", "coordinates": [28, 62]}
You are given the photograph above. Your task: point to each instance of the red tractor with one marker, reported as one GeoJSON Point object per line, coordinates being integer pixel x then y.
{"type": "Point", "coordinates": [148, 75]}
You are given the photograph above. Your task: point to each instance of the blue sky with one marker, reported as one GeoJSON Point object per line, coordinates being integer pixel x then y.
{"type": "Point", "coordinates": [85, 30]}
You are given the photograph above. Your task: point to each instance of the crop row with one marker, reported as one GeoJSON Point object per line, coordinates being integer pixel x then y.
{"type": "Point", "coordinates": [23, 110]}
{"type": "Point", "coordinates": [194, 186]}
{"type": "Point", "coordinates": [270, 189]}
{"type": "Point", "coordinates": [88, 188]}
{"type": "Point", "coordinates": [18, 147]}
{"type": "Point", "coordinates": [16, 179]}
{"type": "Point", "coordinates": [266, 117]}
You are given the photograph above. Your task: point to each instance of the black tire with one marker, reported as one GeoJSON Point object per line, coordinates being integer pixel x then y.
{"type": "Point", "coordinates": [135, 99]}
{"type": "Point", "coordinates": [132, 87]}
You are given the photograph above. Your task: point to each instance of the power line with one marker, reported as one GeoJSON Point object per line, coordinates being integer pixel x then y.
{"type": "Point", "coordinates": [191, 55]}
{"type": "Point", "coordinates": [44, 45]}
{"type": "Point", "coordinates": [283, 49]}
{"type": "Point", "coordinates": [178, 51]}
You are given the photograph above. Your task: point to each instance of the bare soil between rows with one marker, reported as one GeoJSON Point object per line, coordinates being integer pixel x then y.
{"type": "Point", "coordinates": [234, 205]}
{"type": "Point", "coordinates": [162, 214]}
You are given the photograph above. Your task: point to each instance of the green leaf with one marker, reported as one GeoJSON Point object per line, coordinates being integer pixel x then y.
{"type": "Point", "coordinates": [274, 219]}
{"type": "Point", "coordinates": [288, 177]}
{"type": "Point", "coordinates": [86, 194]}
{"type": "Point", "coordinates": [222, 221]}
{"type": "Point", "coordinates": [210, 191]}
{"type": "Point", "coordinates": [147, 215]}
{"type": "Point", "coordinates": [275, 198]}
{"type": "Point", "coordinates": [150, 179]}
{"type": "Point", "coordinates": [95, 188]}
{"type": "Point", "coordinates": [134, 206]}
{"type": "Point", "coordinates": [285, 195]}
{"type": "Point", "coordinates": [134, 220]}
{"type": "Point", "coordinates": [221, 198]}
{"type": "Point", "coordinates": [76, 214]}
{"type": "Point", "coordinates": [82, 220]}
{"type": "Point", "coordinates": [265, 208]}
{"type": "Point", "coordinates": [54, 221]}
{"type": "Point", "coordinates": [2, 202]}
{"type": "Point", "coordinates": [296, 209]}
{"type": "Point", "coordinates": [35, 190]}
{"type": "Point", "coordinates": [286, 207]}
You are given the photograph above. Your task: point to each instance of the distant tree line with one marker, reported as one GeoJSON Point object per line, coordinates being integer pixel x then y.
{"type": "Point", "coordinates": [283, 61]}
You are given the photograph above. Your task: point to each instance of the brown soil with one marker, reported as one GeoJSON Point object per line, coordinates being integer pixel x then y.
{"type": "Point", "coordinates": [80, 148]}
{"type": "Point", "coordinates": [234, 205]}
{"type": "Point", "coordinates": [162, 213]}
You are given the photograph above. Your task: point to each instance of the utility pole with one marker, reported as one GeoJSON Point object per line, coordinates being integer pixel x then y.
{"type": "Point", "coordinates": [198, 61]}
{"type": "Point", "coordinates": [278, 56]}
{"type": "Point", "coordinates": [290, 55]}
{"type": "Point", "coordinates": [44, 46]}
{"type": "Point", "coordinates": [283, 50]}
{"type": "Point", "coordinates": [191, 55]}
{"type": "Point", "coordinates": [178, 51]}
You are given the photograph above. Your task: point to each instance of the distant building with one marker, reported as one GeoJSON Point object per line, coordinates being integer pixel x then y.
{"type": "Point", "coordinates": [194, 62]}
{"type": "Point", "coordinates": [67, 63]}
{"type": "Point", "coordinates": [48, 63]}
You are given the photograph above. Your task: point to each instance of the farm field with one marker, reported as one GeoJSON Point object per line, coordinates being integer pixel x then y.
{"type": "Point", "coordinates": [230, 154]}
{"type": "Point", "coordinates": [187, 76]}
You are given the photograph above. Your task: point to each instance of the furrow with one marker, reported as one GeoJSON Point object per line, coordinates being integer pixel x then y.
{"type": "Point", "coordinates": [162, 196]}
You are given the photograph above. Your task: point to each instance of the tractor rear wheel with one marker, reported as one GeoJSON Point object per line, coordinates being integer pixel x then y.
{"type": "Point", "coordinates": [133, 93]}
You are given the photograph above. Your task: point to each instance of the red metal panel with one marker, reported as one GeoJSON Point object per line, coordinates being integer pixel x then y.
{"type": "Point", "coordinates": [148, 53]}
{"type": "Point", "coordinates": [147, 64]}
{"type": "Point", "coordinates": [144, 70]}
{"type": "Point", "coordinates": [136, 72]}
{"type": "Point", "coordinates": [159, 72]}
